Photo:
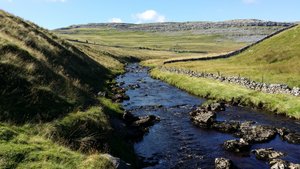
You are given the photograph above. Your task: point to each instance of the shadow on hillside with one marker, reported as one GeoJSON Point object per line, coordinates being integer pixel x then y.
{"type": "Point", "coordinates": [49, 90]}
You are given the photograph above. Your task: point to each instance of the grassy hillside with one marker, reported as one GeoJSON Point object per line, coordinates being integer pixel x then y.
{"type": "Point", "coordinates": [275, 60]}
{"type": "Point", "coordinates": [42, 76]}
{"type": "Point", "coordinates": [184, 41]}
{"type": "Point", "coordinates": [50, 115]}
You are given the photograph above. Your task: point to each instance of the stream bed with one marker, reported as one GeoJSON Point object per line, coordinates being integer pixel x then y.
{"type": "Point", "coordinates": [175, 142]}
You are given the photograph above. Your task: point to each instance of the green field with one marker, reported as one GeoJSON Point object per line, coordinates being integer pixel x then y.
{"type": "Point", "coordinates": [275, 60]}
{"type": "Point", "coordinates": [167, 41]}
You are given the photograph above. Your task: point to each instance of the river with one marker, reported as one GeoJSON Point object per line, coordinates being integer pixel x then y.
{"type": "Point", "coordinates": [175, 142]}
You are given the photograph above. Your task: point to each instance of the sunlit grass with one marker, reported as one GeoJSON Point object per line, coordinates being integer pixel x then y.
{"type": "Point", "coordinates": [213, 89]}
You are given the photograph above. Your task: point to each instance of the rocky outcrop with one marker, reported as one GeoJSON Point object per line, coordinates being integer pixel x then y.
{"type": "Point", "coordinates": [204, 27]}
{"type": "Point", "coordinates": [245, 82]}
{"type": "Point", "coordinates": [267, 154]}
{"type": "Point", "coordinates": [223, 163]}
{"type": "Point", "coordinates": [237, 145]}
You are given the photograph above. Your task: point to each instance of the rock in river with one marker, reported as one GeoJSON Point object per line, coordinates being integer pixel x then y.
{"type": "Point", "coordinates": [256, 133]}
{"type": "Point", "coordinates": [289, 136]}
{"type": "Point", "coordinates": [281, 164]}
{"type": "Point", "coordinates": [293, 138]}
{"type": "Point", "coordinates": [146, 121]}
{"type": "Point", "coordinates": [226, 126]}
{"type": "Point", "coordinates": [223, 163]}
{"type": "Point", "coordinates": [203, 118]}
{"type": "Point", "coordinates": [237, 145]}
{"type": "Point", "coordinates": [267, 154]}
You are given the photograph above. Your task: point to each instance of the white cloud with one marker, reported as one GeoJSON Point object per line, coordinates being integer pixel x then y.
{"type": "Point", "coordinates": [115, 20]}
{"type": "Point", "coordinates": [249, 1]}
{"type": "Point", "coordinates": [149, 16]}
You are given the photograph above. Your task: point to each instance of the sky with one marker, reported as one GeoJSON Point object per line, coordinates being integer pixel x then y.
{"type": "Point", "coordinates": [53, 14]}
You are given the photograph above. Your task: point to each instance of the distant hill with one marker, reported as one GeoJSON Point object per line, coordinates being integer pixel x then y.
{"type": "Point", "coordinates": [181, 26]}
{"type": "Point", "coordinates": [240, 30]}
{"type": "Point", "coordinates": [42, 76]}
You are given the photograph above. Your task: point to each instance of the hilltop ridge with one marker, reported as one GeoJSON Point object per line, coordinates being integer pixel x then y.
{"type": "Point", "coordinates": [181, 26]}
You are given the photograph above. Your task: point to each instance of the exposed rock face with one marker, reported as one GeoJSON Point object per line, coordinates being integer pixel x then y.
{"type": "Point", "coordinates": [245, 82]}
{"type": "Point", "coordinates": [203, 119]}
{"type": "Point", "coordinates": [267, 154]}
{"type": "Point", "coordinates": [237, 145]}
{"type": "Point", "coordinates": [223, 163]}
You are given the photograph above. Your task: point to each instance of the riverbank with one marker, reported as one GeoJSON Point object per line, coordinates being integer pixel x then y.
{"type": "Point", "coordinates": [234, 94]}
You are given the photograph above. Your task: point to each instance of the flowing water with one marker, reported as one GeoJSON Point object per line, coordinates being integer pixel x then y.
{"type": "Point", "coordinates": [175, 142]}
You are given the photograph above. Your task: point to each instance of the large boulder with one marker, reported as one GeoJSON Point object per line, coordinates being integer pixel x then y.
{"type": "Point", "coordinates": [204, 119]}
{"type": "Point", "coordinates": [267, 154]}
{"type": "Point", "coordinates": [256, 133]}
{"type": "Point", "coordinates": [223, 163]}
{"type": "Point", "coordinates": [237, 145]}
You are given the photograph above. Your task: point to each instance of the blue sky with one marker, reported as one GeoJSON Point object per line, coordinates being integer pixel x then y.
{"type": "Point", "coordinates": [59, 13]}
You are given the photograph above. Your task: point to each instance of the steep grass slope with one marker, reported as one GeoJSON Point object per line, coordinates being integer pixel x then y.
{"type": "Point", "coordinates": [275, 60]}
{"type": "Point", "coordinates": [42, 76]}
{"type": "Point", "coordinates": [50, 116]}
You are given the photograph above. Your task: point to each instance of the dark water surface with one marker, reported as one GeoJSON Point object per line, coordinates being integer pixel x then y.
{"type": "Point", "coordinates": [175, 143]}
